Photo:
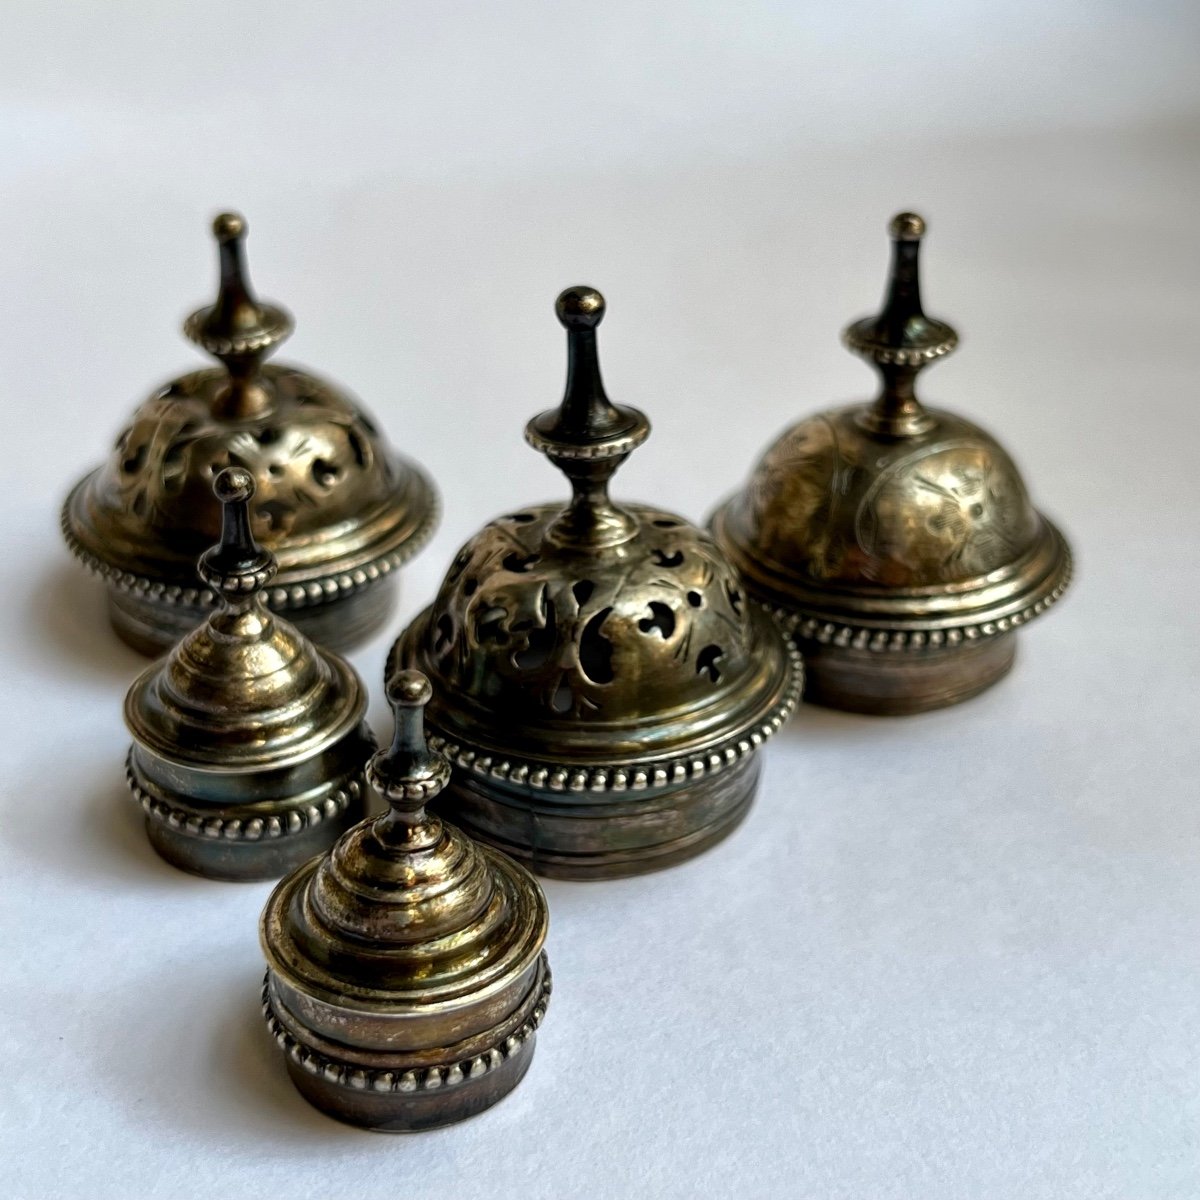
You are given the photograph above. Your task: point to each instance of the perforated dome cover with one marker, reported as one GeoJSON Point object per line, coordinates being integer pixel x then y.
{"type": "Point", "coordinates": [645, 649]}
{"type": "Point", "coordinates": [332, 498]}
{"type": "Point", "coordinates": [596, 635]}
{"type": "Point", "coordinates": [334, 503]}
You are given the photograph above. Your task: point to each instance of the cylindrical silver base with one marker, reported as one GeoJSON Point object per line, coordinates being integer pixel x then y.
{"type": "Point", "coordinates": [884, 683]}
{"type": "Point", "coordinates": [564, 836]}
{"type": "Point", "coordinates": [422, 1089]}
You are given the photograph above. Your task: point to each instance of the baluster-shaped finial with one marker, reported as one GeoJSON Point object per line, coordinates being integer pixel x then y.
{"type": "Point", "coordinates": [408, 773]}
{"type": "Point", "coordinates": [587, 437]}
{"type": "Point", "coordinates": [239, 329]}
{"type": "Point", "coordinates": [237, 568]}
{"type": "Point", "coordinates": [901, 340]}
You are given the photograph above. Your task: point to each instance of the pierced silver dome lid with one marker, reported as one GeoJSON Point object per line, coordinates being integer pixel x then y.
{"type": "Point", "coordinates": [335, 504]}
{"type": "Point", "coordinates": [602, 646]}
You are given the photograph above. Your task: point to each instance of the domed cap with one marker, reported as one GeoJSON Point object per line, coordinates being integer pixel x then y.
{"type": "Point", "coordinates": [406, 912]}
{"type": "Point", "coordinates": [244, 691]}
{"type": "Point", "coordinates": [603, 644]}
{"type": "Point", "coordinates": [891, 524]}
{"type": "Point", "coordinates": [335, 504]}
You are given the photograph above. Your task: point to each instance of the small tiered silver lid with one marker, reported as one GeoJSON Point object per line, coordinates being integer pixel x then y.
{"type": "Point", "coordinates": [248, 740]}
{"type": "Point", "coordinates": [407, 977]}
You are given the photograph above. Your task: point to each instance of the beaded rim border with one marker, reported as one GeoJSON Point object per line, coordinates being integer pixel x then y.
{"type": "Point", "coordinates": [282, 598]}
{"type": "Point", "coordinates": [276, 325]}
{"type": "Point", "coordinates": [633, 776]}
{"type": "Point", "coordinates": [424, 1079]}
{"type": "Point", "coordinates": [862, 637]}
{"type": "Point", "coordinates": [613, 447]}
{"type": "Point", "coordinates": [900, 356]}
{"type": "Point", "coordinates": [421, 790]}
{"type": "Point", "coordinates": [296, 820]}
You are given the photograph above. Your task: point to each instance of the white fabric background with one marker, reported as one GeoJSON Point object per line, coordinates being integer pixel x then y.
{"type": "Point", "coordinates": [949, 956]}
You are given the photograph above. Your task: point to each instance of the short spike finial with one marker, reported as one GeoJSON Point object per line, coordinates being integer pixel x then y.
{"type": "Point", "coordinates": [901, 340]}
{"type": "Point", "coordinates": [408, 773]}
{"type": "Point", "coordinates": [236, 567]}
{"type": "Point", "coordinates": [588, 436]}
{"type": "Point", "coordinates": [239, 329]}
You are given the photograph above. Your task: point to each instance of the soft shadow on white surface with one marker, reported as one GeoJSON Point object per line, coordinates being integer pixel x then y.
{"type": "Point", "coordinates": [104, 842]}
{"type": "Point", "coordinates": [68, 621]}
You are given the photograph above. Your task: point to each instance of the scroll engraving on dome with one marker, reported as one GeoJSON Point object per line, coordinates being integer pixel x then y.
{"type": "Point", "coordinates": [574, 644]}
{"type": "Point", "coordinates": [316, 443]}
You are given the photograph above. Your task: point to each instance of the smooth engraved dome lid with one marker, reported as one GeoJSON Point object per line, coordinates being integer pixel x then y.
{"type": "Point", "coordinates": [246, 690]}
{"type": "Point", "coordinates": [405, 910]}
{"type": "Point", "coordinates": [335, 504]}
{"type": "Point", "coordinates": [600, 633]}
{"type": "Point", "coordinates": [893, 520]}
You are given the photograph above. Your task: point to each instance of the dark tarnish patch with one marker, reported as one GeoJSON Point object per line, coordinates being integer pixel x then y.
{"type": "Point", "coordinates": [357, 448]}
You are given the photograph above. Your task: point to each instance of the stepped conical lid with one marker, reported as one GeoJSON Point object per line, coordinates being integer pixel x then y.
{"type": "Point", "coordinates": [246, 690]}
{"type": "Point", "coordinates": [406, 910]}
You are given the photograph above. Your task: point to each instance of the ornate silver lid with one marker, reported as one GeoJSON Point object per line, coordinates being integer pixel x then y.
{"type": "Point", "coordinates": [891, 527]}
{"type": "Point", "coordinates": [338, 508]}
{"type": "Point", "coordinates": [247, 739]}
{"type": "Point", "coordinates": [598, 648]}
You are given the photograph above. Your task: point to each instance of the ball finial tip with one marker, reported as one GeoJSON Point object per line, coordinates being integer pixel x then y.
{"type": "Point", "coordinates": [234, 484]}
{"type": "Point", "coordinates": [907, 227]}
{"type": "Point", "coordinates": [229, 226]}
{"type": "Point", "coordinates": [580, 307]}
{"type": "Point", "coordinates": [409, 689]}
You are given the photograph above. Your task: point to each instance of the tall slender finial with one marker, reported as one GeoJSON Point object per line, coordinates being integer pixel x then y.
{"type": "Point", "coordinates": [901, 340]}
{"type": "Point", "coordinates": [239, 329]}
{"type": "Point", "coordinates": [237, 568]}
{"type": "Point", "coordinates": [588, 436]}
{"type": "Point", "coordinates": [408, 774]}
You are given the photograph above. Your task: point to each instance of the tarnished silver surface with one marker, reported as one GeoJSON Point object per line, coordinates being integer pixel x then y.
{"type": "Point", "coordinates": [339, 509]}
{"type": "Point", "coordinates": [248, 741]}
{"type": "Point", "coordinates": [406, 978]}
{"type": "Point", "coordinates": [599, 675]}
{"type": "Point", "coordinates": [896, 542]}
